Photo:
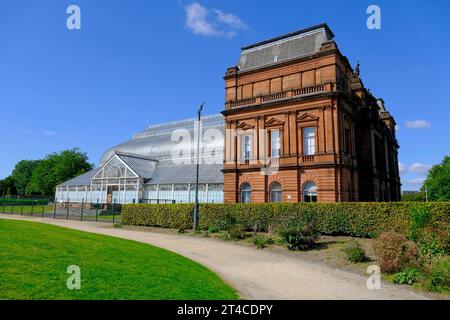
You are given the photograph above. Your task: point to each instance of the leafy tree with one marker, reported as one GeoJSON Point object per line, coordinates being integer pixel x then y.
{"type": "Point", "coordinates": [438, 181]}
{"type": "Point", "coordinates": [57, 168]}
{"type": "Point", "coordinates": [22, 174]}
{"type": "Point", "coordinates": [7, 187]}
{"type": "Point", "coordinates": [417, 196]}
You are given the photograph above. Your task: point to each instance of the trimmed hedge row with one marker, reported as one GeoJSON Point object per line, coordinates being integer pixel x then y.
{"type": "Point", "coordinates": [359, 219]}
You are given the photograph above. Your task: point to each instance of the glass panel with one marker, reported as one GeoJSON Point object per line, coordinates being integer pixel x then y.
{"type": "Point", "coordinates": [309, 141]}
{"type": "Point", "coordinates": [275, 192]}
{"type": "Point", "coordinates": [246, 147]}
{"type": "Point", "coordinates": [246, 193]}
{"type": "Point", "coordinates": [275, 143]}
{"type": "Point", "coordinates": [310, 192]}
{"type": "Point", "coordinates": [115, 169]}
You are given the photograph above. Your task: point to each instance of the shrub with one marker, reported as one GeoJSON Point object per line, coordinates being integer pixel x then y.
{"type": "Point", "coordinates": [439, 275]}
{"type": "Point", "coordinates": [236, 232]}
{"type": "Point", "coordinates": [213, 229]}
{"type": "Point", "coordinates": [261, 241]}
{"type": "Point", "coordinates": [431, 249]}
{"type": "Point", "coordinates": [226, 223]}
{"type": "Point", "coordinates": [407, 276]}
{"type": "Point", "coordinates": [359, 219]}
{"type": "Point", "coordinates": [394, 252]}
{"type": "Point", "coordinates": [354, 252]}
{"type": "Point", "coordinates": [420, 216]}
{"type": "Point", "coordinates": [298, 231]}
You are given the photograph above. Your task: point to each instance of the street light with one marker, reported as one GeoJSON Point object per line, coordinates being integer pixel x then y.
{"type": "Point", "coordinates": [199, 114]}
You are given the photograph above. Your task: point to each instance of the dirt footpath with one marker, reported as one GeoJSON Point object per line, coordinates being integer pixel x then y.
{"type": "Point", "coordinates": [256, 274]}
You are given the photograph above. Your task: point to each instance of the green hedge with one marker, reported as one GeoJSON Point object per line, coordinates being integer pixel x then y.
{"type": "Point", "coordinates": [24, 201]}
{"type": "Point", "coordinates": [359, 219]}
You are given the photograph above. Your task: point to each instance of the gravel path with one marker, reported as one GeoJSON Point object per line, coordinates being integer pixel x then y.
{"type": "Point", "coordinates": [256, 274]}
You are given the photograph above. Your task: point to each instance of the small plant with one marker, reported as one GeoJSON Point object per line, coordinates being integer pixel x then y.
{"type": "Point", "coordinates": [213, 229]}
{"type": "Point", "coordinates": [206, 234]}
{"type": "Point", "coordinates": [439, 275]}
{"type": "Point", "coordinates": [373, 234]}
{"type": "Point", "coordinates": [407, 276]}
{"type": "Point", "coordinates": [431, 249]}
{"type": "Point", "coordinates": [181, 230]}
{"type": "Point", "coordinates": [395, 253]}
{"type": "Point", "coordinates": [226, 223]}
{"type": "Point", "coordinates": [354, 252]}
{"type": "Point", "coordinates": [236, 232]}
{"type": "Point", "coordinates": [117, 225]}
{"type": "Point", "coordinates": [261, 241]}
{"type": "Point", "coordinates": [298, 232]}
{"type": "Point", "coordinates": [420, 217]}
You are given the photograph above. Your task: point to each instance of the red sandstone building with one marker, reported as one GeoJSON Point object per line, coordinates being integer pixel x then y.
{"type": "Point", "coordinates": [301, 126]}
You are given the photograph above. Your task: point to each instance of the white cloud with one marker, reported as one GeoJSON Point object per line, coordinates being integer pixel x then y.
{"type": "Point", "coordinates": [49, 133]}
{"type": "Point", "coordinates": [420, 168]}
{"type": "Point", "coordinates": [401, 168]}
{"type": "Point", "coordinates": [417, 182]}
{"type": "Point", "coordinates": [230, 19]}
{"type": "Point", "coordinates": [211, 22]}
{"type": "Point", "coordinates": [418, 124]}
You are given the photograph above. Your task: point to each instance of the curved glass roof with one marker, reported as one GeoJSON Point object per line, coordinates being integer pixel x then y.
{"type": "Point", "coordinates": [159, 142]}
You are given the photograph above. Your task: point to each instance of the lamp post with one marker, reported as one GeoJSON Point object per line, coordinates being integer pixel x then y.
{"type": "Point", "coordinates": [199, 114]}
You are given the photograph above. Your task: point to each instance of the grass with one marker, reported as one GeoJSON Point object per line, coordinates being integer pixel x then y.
{"type": "Point", "coordinates": [26, 209]}
{"type": "Point", "coordinates": [35, 257]}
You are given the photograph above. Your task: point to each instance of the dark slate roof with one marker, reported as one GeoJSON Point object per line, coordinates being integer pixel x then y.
{"type": "Point", "coordinates": [81, 180]}
{"type": "Point", "coordinates": [168, 172]}
{"type": "Point", "coordinates": [290, 46]}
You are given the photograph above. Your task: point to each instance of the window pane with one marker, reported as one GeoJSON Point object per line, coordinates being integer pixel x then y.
{"type": "Point", "coordinates": [310, 192]}
{"type": "Point", "coordinates": [246, 147]}
{"type": "Point", "coordinates": [275, 143]}
{"type": "Point", "coordinates": [246, 193]}
{"type": "Point", "coordinates": [309, 141]}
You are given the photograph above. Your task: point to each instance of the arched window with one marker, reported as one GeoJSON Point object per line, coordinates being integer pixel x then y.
{"type": "Point", "coordinates": [246, 193]}
{"type": "Point", "coordinates": [275, 192]}
{"type": "Point", "coordinates": [310, 192]}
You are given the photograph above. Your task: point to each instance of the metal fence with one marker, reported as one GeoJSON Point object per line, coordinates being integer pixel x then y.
{"type": "Point", "coordinates": [82, 211]}
{"type": "Point", "coordinates": [156, 201]}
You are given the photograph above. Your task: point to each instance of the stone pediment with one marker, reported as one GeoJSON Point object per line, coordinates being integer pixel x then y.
{"type": "Point", "coordinates": [307, 117]}
{"type": "Point", "coordinates": [245, 126]}
{"type": "Point", "coordinates": [272, 122]}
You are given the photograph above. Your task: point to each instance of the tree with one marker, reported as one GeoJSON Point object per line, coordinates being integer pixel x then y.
{"type": "Point", "coordinates": [417, 196]}
{"type": "Point", "coordinates": [22, 174]}
{"type": "Point", "coordinates": [57, 168]}
{"type": "Point", "coordinates": [7, 187]}
{"type": "Point", "coordinates": [438, 181]}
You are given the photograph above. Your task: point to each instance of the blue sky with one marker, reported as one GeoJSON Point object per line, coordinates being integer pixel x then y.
{"type": "Point", "coordinates": [141, 62]}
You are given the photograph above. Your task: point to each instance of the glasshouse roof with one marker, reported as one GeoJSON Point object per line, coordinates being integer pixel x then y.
{"type": "Point", "coordinates": [150, 154]}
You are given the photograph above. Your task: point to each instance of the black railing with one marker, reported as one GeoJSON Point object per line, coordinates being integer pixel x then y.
{"type": "Point", "coordinates": [83, 211]}
{"type": "Point", "coordinates": [156, 201]}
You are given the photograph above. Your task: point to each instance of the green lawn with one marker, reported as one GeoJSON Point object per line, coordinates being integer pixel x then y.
{"type": "Point", "coordinates": [34, 258]}
{"type": "Point", "coordinates": [27, 209]}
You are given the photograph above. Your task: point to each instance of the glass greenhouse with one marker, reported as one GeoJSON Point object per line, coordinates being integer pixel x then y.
{"type": "Point", "coordinates": [156, 165]}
